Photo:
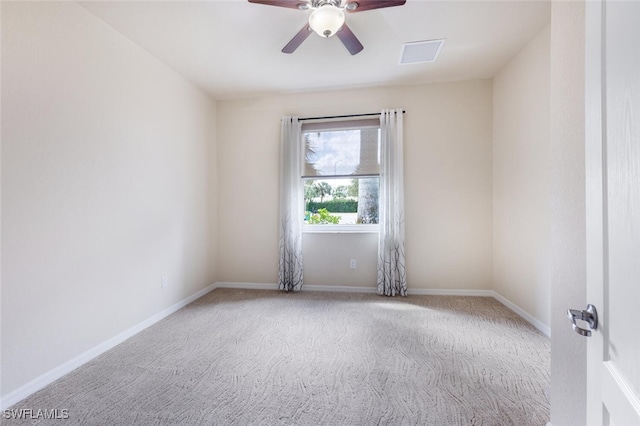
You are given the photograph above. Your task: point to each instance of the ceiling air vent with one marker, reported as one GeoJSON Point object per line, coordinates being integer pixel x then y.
{"type": "Point", "coordinates": [420, 51]}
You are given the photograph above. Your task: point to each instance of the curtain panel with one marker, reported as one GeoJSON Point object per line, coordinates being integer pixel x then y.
{"type": "Point", "coordinates": [291, 205]}
{"type": "Point", "coordinates": [392, 277]}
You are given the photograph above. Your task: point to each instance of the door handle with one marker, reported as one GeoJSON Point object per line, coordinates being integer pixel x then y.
{"type": "Point", "coordinates": [589, 315]}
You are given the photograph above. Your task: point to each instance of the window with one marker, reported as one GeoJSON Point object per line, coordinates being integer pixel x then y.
{"type": "Point", "coordinates": [341, 175]}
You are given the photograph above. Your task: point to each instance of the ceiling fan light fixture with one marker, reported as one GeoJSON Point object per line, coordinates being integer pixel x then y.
{"type": "Point", "coordinates": [326, 20]}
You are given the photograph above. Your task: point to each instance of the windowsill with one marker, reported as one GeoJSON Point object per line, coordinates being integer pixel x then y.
{"type": "Point", "coordinates": [340, 229]}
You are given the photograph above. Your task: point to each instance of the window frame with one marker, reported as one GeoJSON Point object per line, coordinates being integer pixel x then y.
{"type": "Point", "coordinates": [365, 228]}
{"type": "Point", "coordinates": [327, 126]}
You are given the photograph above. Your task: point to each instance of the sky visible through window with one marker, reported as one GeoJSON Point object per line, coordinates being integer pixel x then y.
{"type": "Point", "coordinates": [334, 153]}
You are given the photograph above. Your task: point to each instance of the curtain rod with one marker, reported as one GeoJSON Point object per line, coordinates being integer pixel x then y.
{"type": "Point", "coordinates": [342, 116]}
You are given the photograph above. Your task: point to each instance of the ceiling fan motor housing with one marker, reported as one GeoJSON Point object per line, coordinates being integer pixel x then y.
{"type": "Point", "coordinates": [316, 4]}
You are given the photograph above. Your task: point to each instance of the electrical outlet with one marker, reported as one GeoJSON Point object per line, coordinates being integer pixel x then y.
{"type": "Point", "coordinates": [353, 264]}
{"type": "Point", "coordinates": [164, 282]}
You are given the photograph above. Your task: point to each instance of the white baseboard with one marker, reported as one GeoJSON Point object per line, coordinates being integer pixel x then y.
{"type": "Point", "coordinates": [353, 289]}
{"type": "Point", "coordinates": [52, 375]}
{"type": "Point", "coordinates": [545, 329]}
{"type": "Point", "coordinates": [340, 288]}
{"type": "Point", "coordinates": [448, 292]}
{"type": "Point", "coordinates": [271, 286]}
{"type": "Point", "coordinates": [306, 287]}
{"type": "Point", "coordinates": [247, 286]}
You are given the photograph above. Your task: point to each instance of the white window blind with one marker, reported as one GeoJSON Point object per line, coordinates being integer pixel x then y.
{"type": "Point", "coordinates": [341, 148]}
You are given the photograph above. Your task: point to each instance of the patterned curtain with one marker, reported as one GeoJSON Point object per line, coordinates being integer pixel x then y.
{"type": "Point", "coordinates": [392, 277]}
{"type": "Point", "coordinates": [291, 205]}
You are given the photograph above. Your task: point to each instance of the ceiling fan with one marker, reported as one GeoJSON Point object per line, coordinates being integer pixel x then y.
{"type": "Point", "coordinates": [328, 18]}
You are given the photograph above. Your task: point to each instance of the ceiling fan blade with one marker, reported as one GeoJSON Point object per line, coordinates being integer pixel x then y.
{"type": "Point", "coordinates": [297, 40]}
{"type": "Point", "coordinates": [349, 39]}
{"type": "Point", "coordinates": [292, 4]}
{"type": "Point", "coordinates": [362, 5]}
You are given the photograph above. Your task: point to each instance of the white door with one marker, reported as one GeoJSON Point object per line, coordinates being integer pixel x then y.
{"type": "Point", "coordinates": [613, 210]}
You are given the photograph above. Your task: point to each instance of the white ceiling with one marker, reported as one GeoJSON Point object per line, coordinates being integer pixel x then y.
{"type": "Point", "coordinates": [231, 48]}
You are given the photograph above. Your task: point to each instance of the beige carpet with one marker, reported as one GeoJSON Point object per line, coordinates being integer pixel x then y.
{"type": "Point", "coordinates": [247, 357]}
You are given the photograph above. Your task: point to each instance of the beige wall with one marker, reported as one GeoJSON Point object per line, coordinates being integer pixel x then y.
{"type": "Point", "coordinates": [448, 135]}
{"type": "Point", "coordinates": [107, 184]}
{"type": "Point", "coordinates": [521, 179]}
{"type": "Point", "coordinates": [568, 241]}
